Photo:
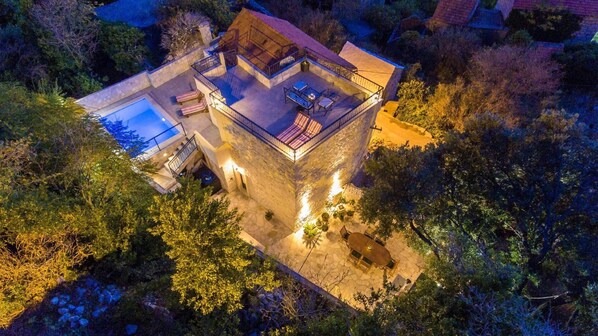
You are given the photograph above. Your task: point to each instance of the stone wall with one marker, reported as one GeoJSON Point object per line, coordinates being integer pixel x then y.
{"type": "Point", "coordinates": [270, 174]}
{"type": "Point", "coordinates": [337, 157]}
{"type": "Point", "coordinates": [139, 82]}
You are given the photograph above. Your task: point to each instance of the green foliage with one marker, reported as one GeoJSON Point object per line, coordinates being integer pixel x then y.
{"type": "Point", "coordinates": [214, 267]}
{"type": "Point", "coordinates": [311, 235]}
{"type": "Point", "coordinates": [124, 45]}
{"type": "Point", "coordinates": [217, 10]}
{"type": "Point", "coordinates": [580, 63]}
{"type": "Point", "coordinates": [550, 24]}
{"type": "Point", "coordinates": [382, 18]}
{"type": "Point", "coordinates": [470, 192]}
{"type": "Point", "coordinates": [520, 38]}
{"type": "Point", "coordinates": [69, 188]}
{"type": "Point", "coordinates": [412, 102]}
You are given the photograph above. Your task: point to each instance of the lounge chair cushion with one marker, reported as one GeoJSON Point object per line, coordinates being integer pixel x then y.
{"type": "Point", "coordinates": [185, 97]}
{"type": "Point", "coordinates": [199, 107]}
{"type": "Point", "coordinates": [295, 129]}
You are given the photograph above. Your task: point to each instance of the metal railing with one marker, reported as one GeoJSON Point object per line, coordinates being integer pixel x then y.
{"type": "Point", "coordinates": [375, 90]}
{"type": "Point", "coordinates": [206, 63]}
{"type": "Point", "coordinates": [181, 156]}
{"type": "Point", "coordinates": [147, 142]}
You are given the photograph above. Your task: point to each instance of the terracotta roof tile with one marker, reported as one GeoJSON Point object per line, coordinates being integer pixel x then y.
{"type": "Point", "coordinates": [454, 12]}
{"type": "Point", "coordinates": [579, 7]}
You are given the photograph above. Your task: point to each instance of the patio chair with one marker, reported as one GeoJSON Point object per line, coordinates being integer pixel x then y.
{"type": "Point", "coordinates": [345, 233]}
{"type": "Point", "coordinates": [313, 128]}
{"type": "Point", "coordinates": [365, 264]}
{"type": "Point", "coordinates": [291, 132]}
{"type": "Point", "coordinates": [325, 104]}
{"type": "Point", "coordinates": [185, 97]}
{"type": "Point", "coordinates": [391, 266]}
{"type": "Point", "coordinates": [354, 256]}
{"type": "Point", "coordinates": [300, 86]}
{"type": "Point", "coordinates": [202, 106]}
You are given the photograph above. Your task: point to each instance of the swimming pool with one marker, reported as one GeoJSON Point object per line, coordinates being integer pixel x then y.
{"type": "Point", "coordinates": [145, 120]}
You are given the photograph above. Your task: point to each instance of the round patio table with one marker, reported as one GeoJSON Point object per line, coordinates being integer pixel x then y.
{"type": "Point", "coordinates": [369, 248]}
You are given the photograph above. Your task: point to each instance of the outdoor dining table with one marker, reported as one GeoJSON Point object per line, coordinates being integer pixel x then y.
{"type": "Point", "coordinates": [368, 248]}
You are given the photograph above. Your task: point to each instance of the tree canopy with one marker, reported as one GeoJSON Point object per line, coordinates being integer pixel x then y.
{"type": "Point", "coordinates": [214, 267]}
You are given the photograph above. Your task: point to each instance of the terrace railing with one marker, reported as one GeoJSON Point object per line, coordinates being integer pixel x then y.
{"type": "Point", "coordinates": [182, 155]}
{"type": "Point", "coordinates": [375, 90]}
{"type": "Point", "coordinates": [155, 141]}
{"type": "Point", "coordinates": [206, 63]}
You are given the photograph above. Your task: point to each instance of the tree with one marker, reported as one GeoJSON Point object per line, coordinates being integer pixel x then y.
{"type": "Point", "coordinates": [33, 264]}
{"type": "Point", "coordinates": [522, 196]}
{"type": "Point", "coordinates": [324, 28]}
{"type": "Point", "coordinates": [514, 82]}
{"type": "Point", "coordinates": [544, 23]}
{"type": "Point", "coordinates": [446, 52]}
{"type": "Point", "coordinates": [412, 102]}
{"type": "Point", "coordinates": [452, 104]}
{"type": "Point", "coordinates": [217, 10]}
{"type": "Point", "coordinates": [214, 267]}
{"type": "Point", "coordinates": [180, 34]}
{"type": "Point", "coordinates": [68, 32]}
{"type": "Point", "coordinates": [124, 45]}
{"type": "Point", "coordinates": [580, 63]}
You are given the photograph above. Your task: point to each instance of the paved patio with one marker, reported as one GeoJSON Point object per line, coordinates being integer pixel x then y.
{"type": "Point", "coordinates": [326, 265]}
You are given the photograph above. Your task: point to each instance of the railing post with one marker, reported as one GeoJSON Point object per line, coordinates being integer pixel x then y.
{"type": "Point", "coordinates": [157, 144]}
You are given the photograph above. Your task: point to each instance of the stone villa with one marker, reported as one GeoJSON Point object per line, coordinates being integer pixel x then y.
{"type": "Point", "coordinates": [280, 123]}
{"type": "Point", "coordinates": [248, 81]}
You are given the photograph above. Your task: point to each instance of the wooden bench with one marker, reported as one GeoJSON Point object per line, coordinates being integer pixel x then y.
{"type": "Point", "coordinates": [202, 106]}
{"type": "Point", "coordinates": [185, 97]}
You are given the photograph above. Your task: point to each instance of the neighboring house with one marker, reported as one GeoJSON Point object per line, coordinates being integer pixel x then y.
{"type": "Point", "coordinates": [266, 76]}
{"type": "Point", "coordinates": [375, 68]}
{"type": "Point", "coordinates": [586, 9]}
{"type": "Point", "coordinates": [468, 13]}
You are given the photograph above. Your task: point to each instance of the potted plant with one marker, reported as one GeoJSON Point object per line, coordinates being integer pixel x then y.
{"type": "Point", "coordinates": [311, 235]}
{"type": "Point", "coordinates": [269, 214]}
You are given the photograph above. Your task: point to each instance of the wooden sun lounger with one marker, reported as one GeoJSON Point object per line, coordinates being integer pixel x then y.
{"type": "Point", "coordinates": [295, 129]}
{"type": "Point", "coordinates": [202, 106]}
{"type": "Point", "coordinates": [312, 129]}
{"type": "Point", "coordinates": [185, 97]}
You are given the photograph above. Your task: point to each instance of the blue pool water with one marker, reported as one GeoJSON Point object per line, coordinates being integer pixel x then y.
{"type": "Point", "coordinates": [142, 118]}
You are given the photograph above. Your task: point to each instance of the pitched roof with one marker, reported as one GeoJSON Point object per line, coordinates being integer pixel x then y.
{"type": "Point", "coordinates": [373, 67]}
{"type": "Point", "coordinates": [281, 34]}
{"type": "Point", "coordinates": [454, 12]}
{"type": "Point", "coordinates": [579, 7]}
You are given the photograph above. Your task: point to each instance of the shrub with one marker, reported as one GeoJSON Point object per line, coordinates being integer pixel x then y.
{"type": "Point", "coordinates": [580, 62]}
{"type": "Point", "coordinates": [550, 24]}
{"type": "Point", "coordinates": [180, 34]}
{"type": "Point", "coordinates": [124, 45]}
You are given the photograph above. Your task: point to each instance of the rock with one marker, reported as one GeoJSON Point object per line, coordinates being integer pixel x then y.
{"type": "Point", "coordinates": [83, 322]}
{"type": "Point", "coordinates": [54, 300]}
{"type": "Point", "coordinates": [81, 291]}
{"type": "Point", "coordinates": [71, 306]}
{"type": "Point", "coordinates": [74, 318]}
{"type": "Point", "coordinates": [62, 311]}
{"type": "Point", "coordinates": [131, 329]}
{"type": "Point", "coordinates": [79, 310]}
{"type": "Point", "coordinates": [61, 303]}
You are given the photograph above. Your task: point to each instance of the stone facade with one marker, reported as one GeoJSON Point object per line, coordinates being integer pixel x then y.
{"type": "Point", "coordinates": [332, 163]}
{"type": "Point", "coordinates": [297, 191]}
{"type": "Point", "coordinates": [270, 176]}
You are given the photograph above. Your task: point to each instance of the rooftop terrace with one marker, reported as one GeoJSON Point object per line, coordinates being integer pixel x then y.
{"type": "Point", "coordinates": [258, 102]}
{"type": "Point", "coordinates": [268, 108]}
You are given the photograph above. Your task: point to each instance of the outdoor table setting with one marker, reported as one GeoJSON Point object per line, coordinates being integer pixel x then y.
{"type": "Point", "coordinates": [368, 248]}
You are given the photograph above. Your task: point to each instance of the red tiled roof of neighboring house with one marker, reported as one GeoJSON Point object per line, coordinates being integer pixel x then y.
{"type": "Point", "coordinates": [579, 7]}
{"type": "Point", "coordinates": [454, 12]}
{"type": "Point", "coordinates": [298, 37]}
